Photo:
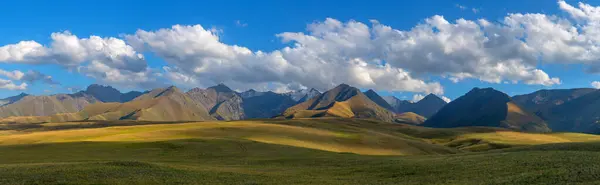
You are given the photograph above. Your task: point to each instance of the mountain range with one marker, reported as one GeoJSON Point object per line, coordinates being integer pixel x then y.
{"type": "Point", "coordinates": [486, 107]}
{"type": "Point", "coordinates": [559, 110]}
{"type": "Point", "coordinates": [341, 101]}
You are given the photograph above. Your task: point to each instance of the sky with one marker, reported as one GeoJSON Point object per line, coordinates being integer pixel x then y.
{"type": "Point", "coordinates": [405, 49]}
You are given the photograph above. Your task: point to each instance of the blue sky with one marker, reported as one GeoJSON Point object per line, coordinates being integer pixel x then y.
{"type": "Point", "coordinates": [253, 25]}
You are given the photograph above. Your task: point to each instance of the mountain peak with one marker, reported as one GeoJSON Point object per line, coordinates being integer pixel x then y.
{"type": "Point", "coordinates": [155, 93]}
{"type": "Point", "coordinates": [221, 88]}
{"type": "Point", "coordinates": [488, 92]}
{"type": "Point", "coordinates": [342, 86]}
{"type": "Point", "coordinates": [342, 101]}
{"type": "Point", "coordinates": [12, 99]}
{"type": "Point", "coordinates": [486, 107]}
{"type": "Point", "coordinates": [378, 100]}
{"type": "Point", "coordinates": [313, 90]}
{"type": "Point", "coordinates": [172, 88]}
{"type": "Point", "coordinates": [302, 95]}
{"type": "Point", "coordinates": [103, 93]}
{"type": "Point", "coordinates": [250, 93]}
{"type": "Point", "coordinates": [22, 94]}
{"type": "Point", "coordinates": [430, 97]}
{"type": "Point", "coordinates": [94, 87]}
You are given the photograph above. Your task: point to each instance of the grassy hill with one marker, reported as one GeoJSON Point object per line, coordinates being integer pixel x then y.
{"type": "Point", "coordinates": [300, 151]}
{"type": "Point", "coordinates": [410, 118]}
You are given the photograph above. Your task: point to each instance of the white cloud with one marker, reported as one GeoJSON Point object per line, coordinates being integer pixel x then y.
{"type": "Point", "coordinates": [417, 97]}
{"type": "Point", "coordinates": [446, 99]}
{"type": "Point", "coordinates": [465, 49]}
{"type": "Point", "coordinates": [15, 74]}
{"type": "Point", "coordinates": [10, 85]}
{"type": "Point", "coordinates": [196, 55]}
{"type": "Point", "coordinates": [596, 84]}
{"type": "Point", "coordinates": [366, 55]}
{"type": "Point", "coordinates": [30, 76]}
{"type": "Point", "coordinates": [109, 60]}
{"type": "Point", "coordinates": [463, 7]}
{"type": "Point", "coordinates": [240, 23]}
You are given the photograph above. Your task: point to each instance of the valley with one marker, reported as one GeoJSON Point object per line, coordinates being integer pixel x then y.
{"type": "Point", "coordinates": [341, 136]}
{"type": "Point", "coordinates": [301, 151]}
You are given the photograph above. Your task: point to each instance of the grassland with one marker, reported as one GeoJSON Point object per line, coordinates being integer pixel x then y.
{"type": "Point", "coordinates": [304, 151]}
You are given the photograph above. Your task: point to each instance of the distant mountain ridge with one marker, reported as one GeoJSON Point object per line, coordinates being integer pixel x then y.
{"type": "Point", "coordinates": [46, 105]}
{"type": "Point", "coordinates": [542, 100]}
{"type": "Point", "coordinates": [561, 110]}
{"type": "Point", "coordinates": [110, 94]}
{"type": "Point", "coordinates": [486, 107]}
{"type": "Point", "coordinates": [12, 99]}
{"type": "Point", "coordinates": [577, 115]}
{"type": "Point", "coordinates": [426, 107]}
{"type": "Point", "coordinates": [565, 110]}
{"type": "Point", "coordinates": [303, 94]}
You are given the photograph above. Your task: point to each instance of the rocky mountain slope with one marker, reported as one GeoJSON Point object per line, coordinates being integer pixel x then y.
{"type": "Point", "coordinates": [341, 101]}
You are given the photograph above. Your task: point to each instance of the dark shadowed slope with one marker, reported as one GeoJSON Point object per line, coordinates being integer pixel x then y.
{"type": "Point", "coordinates": [541, 101]}
{"type": "Point", "coordinates": [378, 99]}
{"type": "Point", "coordinates": [578, 115]}
{"type": "Point", "coordinates": [12, 99]}
{"type": "Point", "coordinates": [427, 106]}
{"type": "Point", "coordinates": [267, 104]}
{"type": "Point", "coordinates": [109, 94]}
{"type": "Point", "coordinates": [398, 105]}
{"type": "Point", "coordinates": [486, 107]}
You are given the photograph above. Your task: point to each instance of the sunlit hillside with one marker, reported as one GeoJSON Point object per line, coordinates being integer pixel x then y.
{"type": "Point", "coordinates": [321, 151]}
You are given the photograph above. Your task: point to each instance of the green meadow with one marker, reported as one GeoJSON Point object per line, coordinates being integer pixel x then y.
{"type": "Point", "coordinates": [302, 151]}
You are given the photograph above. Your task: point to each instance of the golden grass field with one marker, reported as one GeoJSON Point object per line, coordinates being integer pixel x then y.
{"type": "Point", "coordinates": [298, 151]}
{"type": "Point", "coordinates": [366, 137]}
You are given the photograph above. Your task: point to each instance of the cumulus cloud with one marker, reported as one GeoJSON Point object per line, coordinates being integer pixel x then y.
{"type": "Point", "coordinates": [367, 55]}
{"type": "Point", "coordinates": [197, 55]}
{"type": "Point", "coordinates": [464, 49]}
{"type": "Point", "coordinates": [30, 76]}
{"type": "Point", "coordinates": [596, 84]}
{"type": "Point", "coordinates": [10, 85]}
{"type": "Point", "coordinates": [373, 56]}
{"type": "Point", "coordinates": [417, 97]}
{"type": "Point", "coordinates": [446, 99]}
{"type": "Point", "coordinates": [15, 74]}
{"type": "Point", "coordinates": [109, 60]}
